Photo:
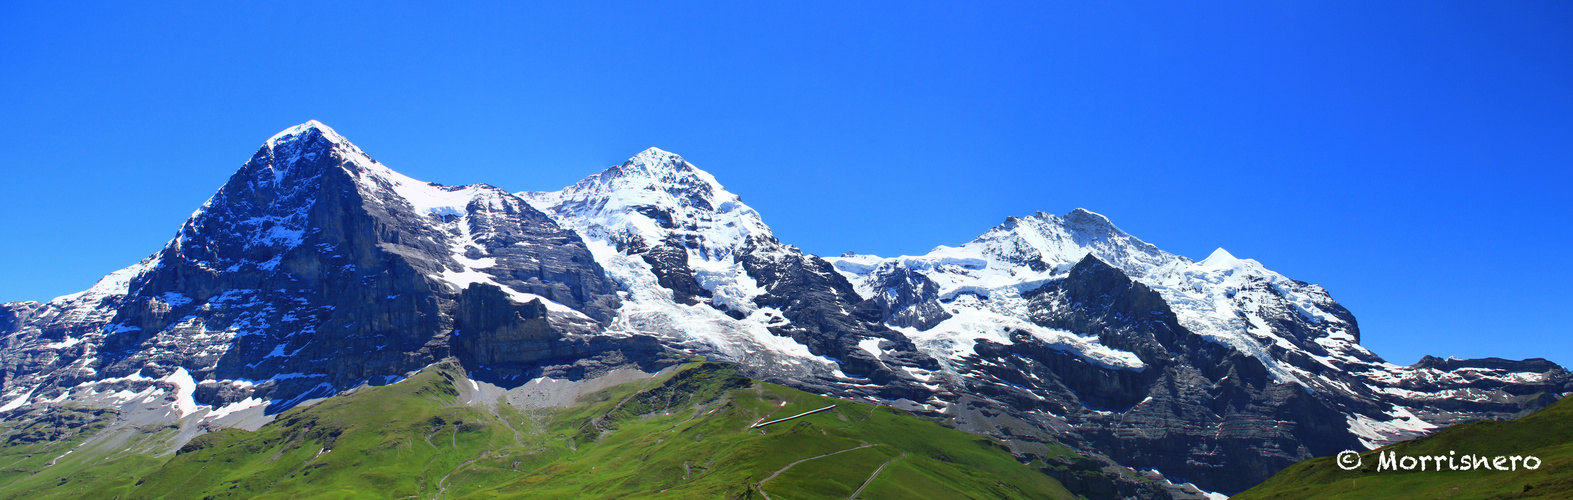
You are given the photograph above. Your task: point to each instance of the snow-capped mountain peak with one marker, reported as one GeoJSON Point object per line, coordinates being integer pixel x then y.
{"type": "Point", "coordinates": [1021, 254]}
{"type": "Point", "coordinates": [1046, 242]}
{"type": "Point", "coordinates": [1087, 221]}
{"type": "Point", "coordinates": [654, 198]}
{"type": "Point", "coordinates": [304, 142]}
{"type": "Point", "coordinates": [296, 132]}
{"type": "Point", "coordinates": [657, 163]}
{"type": "Point", "coordinates": [1220, 258]}
{"type": "Point", "coordinates": [701, 267]}
{"type": "Point", "coordinates": [658, 204]}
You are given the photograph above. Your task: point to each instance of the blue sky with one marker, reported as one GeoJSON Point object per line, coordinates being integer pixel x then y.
{"type": "Point", "coordinates": [1412, 157]}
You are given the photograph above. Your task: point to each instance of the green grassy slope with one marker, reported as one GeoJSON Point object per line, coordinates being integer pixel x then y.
{"type": "Point", "coordinates": [1546, 434]}
{"type": "Point", "coordinates": [56, 455]}
{"type": "Point", "coordinates": [683, 435]}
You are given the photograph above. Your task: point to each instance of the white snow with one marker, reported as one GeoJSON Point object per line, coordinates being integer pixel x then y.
{"type": "Point", "coordinates": [650, 309]}
{"type": "Point", "coordinates": [18, 402]}
{"type": "Point", "coordinates": [460, 280]}
{"type": "Point", "coordinates": [617, 205]}
{"type": "Point", "coordinates": [185, 388]}
{"type": "Point", "coordinates": [871, 345]}
{"type": "Point", "coordinates": [68, 342]}
{"type": "Point", "coordinates": [282, 166]}
{"type": "Point", "coordinates": [919, 373]}
{"type": "Point", "coordinates": [971, 321]}
{"type": "Point", "coordinates": [138, 376]}
{"type": "Point", "coordinates": [294, 132]}
{"type": "Point", "coordinates": [87, 306]}
{"type": "Point", "coordinates": [1377, 433]}
{"type": "Point", "coordinates": [175, 299]}
{"type": "Point", "coordinates": [243, 404]}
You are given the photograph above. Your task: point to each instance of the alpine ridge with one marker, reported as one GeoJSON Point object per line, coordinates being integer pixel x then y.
{"type": "Point", "coordinates": [316, 270]}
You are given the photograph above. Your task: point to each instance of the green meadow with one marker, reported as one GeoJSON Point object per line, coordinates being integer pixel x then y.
{"type": "Point", "coordinates": [686, 434]}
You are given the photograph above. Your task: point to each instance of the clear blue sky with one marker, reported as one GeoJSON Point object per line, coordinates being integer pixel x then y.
{"type": "Point", "coordinates": [1412, 157]}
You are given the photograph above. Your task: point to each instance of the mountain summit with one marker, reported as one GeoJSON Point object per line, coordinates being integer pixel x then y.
{"type": "Point", "coordinates": [314, 269]}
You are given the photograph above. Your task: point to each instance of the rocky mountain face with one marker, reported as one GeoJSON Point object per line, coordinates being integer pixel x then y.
{"type": "Point", "coordinates": [1218, 372]}
{"type": "Point", "coordinates": [316, 269]}
{"type": "Point", "coordinates": [313, 270]}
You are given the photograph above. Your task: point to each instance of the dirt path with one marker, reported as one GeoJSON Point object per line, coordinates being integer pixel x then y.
{"type": "Point", "coordinates": [874, 475]}
{"type": "Point", "coordinates": [761, 484]}
{"type": "Point", "coordinates": [442, 484]}
{"type": "Point", "coordinates": [779, 420]}
{"type": "Point", "coordinates": [517, 440]}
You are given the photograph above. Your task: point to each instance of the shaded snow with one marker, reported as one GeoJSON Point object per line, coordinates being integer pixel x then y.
{"type": "Point", "coordinates": [18, 402]}
{"type": "Point", "coordinates": [1374, 433]}
{"type": "Point", "coordinates": [957, 337]}
{"type": "Point", "coordinates": [237, 406]}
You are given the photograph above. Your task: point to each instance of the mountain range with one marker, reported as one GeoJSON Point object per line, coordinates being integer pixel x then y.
{"type": "Point", "coordinates": [316, 271]}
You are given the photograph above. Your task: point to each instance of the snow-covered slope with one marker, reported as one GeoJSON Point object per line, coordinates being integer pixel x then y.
{"type": "Point", "coordinates": [657, 200]}
{"type": "Point", "coordinates": [672, 237]}
{"type": "Point", "coordinates": [702, 270]}
{"type": "Point", "coordinates": [972, 306]}
{"type": "Point", "coordinates": [981, 282]}
{"type": "Point", "coordinates": [1217, 298]}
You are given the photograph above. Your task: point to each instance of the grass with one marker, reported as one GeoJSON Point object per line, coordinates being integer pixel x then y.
{"type": "Point", "coordinates": [1546, 434]}
{"type": "Point", "coordinates": [56, 455]}
{"type": "Point", "coordinates": [684, 435]}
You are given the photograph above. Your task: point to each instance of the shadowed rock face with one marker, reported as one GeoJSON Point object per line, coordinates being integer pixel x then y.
{"type": "Point", "coordinates": [1194, 398]}
{"type": "Point", "coordinates": [306, 271]}
{"type": "Point", "coordinates": [907, 298]}
{"type": "Point", "coordinates": [495, 330]}
{"type": "Point", "coordinates": [507, 343]}
{"type": "Point", "coordinates": [669, 262]}
{"type": "Point", "coordinates": [829, 317]}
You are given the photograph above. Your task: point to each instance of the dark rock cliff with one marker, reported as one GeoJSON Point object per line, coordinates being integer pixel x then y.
{"type": "Point", "coordinates": [314, 269]}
